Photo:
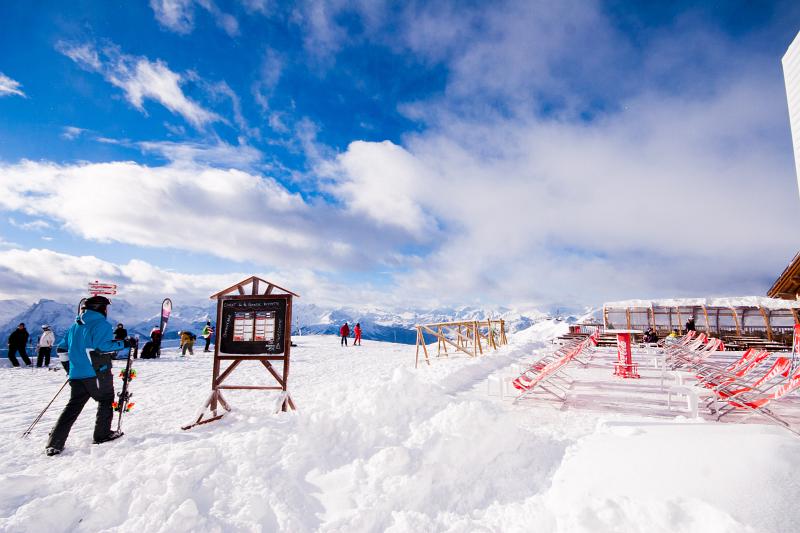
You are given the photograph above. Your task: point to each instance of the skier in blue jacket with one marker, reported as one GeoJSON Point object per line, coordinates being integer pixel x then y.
{"type": "Point", "coordinates": [88, 343]}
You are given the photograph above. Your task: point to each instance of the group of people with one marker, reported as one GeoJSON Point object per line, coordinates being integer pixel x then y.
{"type": "Point", "coordinates": [344, 332]}
{"type": "Point", "coordinates": [650, 336]}
{"type": "Point", "coordinates": [18, 342]}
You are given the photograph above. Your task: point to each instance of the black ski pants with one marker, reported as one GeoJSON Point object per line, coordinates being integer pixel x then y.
{"type": "Point", "coordinates": [44, 354]}
{"type": "Point", "coordinates": [344, 340]}
{"type": "Point", "coordinates": [208, 343]}
{"type": "Point", "coordinates": [101, 389]}
{"type": "Point", "coordinates": [12, 355]}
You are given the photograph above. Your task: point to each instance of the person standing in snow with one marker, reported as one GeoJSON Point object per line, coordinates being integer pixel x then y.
{"type": "Point", "coordinates": [46, 342]}
{"type": "Point", "coordinates": [344, 331]}
{"type": "Point", "coordinates": [206, 334]}
{"type": "Point", "coordinates": [690, 325]}
{"type": "Point", "coordinates": [357, 334]}
{"type": "Point", "coordinates": [155, 337]}
{"type": "Point", "coordinates": [16, 344]}
{"type": "Point", "coordinates": [187, 342]}
{"type": "Point", "coordinates": [120, 333]}
{"type": "Point", "coordinates": [88, 343]}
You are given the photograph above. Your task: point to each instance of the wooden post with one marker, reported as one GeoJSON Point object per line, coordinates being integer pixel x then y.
{"type": "Point", "coordinates": [605, 317]}
{"type": "Point", "coordinates": [736, 321]}
{"type": "Point", "coordinates": [766, 323]}
{"type": "Point", "coordinates": [653, 316]}
{"type": "Point", "coordinates": [669, 311]}
{"type": "Point", "coordinates": [421, 341]}
{"type": "Point", "coordinates": [628, 317]}
{"type": "Point", "coordinates": [680, 322]}
{"type": "Point", "coordinates": [708, 325]}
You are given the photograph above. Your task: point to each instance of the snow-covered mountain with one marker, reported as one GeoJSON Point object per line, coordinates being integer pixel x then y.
{"type": "Point", "coordinates": [377, 324]}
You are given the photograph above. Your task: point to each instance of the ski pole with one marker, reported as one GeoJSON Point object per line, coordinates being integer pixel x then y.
{"type": "Point", "coordinates": [36, 420]}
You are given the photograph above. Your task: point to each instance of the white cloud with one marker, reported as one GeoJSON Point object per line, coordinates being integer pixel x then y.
{"type": "Point", "coordinates": [71, 133]}
{"type": "Point", "coordinates": [36, 273]}
{"type": "Point", "coordinates": [220, 154]}
{"type": "Point", "coordinates": [229, 213]}
{"type": "Point", "coordinates": [140, 79]}
{"type": "Point", "coordinates": [178, 15]}
{"type": "Point", "coordinates": [9, 87]}
{"type": "Point", "coordinates": [32, 225]}
{"type": "Point", "coordinates": [385, 182]}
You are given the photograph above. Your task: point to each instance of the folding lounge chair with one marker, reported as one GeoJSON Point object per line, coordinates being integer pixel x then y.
{"type": "Point", "coordinates": [773, 377]}
{"type": "Point", "coordinates": [734, 372]}
{"type": "Point", "coordinates": [757, 404]}
{"type": "Point", "coordinates": [544, 377]}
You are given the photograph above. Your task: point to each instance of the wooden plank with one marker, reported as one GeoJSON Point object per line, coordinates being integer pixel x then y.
{"type": "Point", "coordinates": [766, 322]}
{"type": "Point", "coordinates": [446, 340]}
{"type": "Point", "coordinates": [708, 325]}
{"type": "Point", "coordinates": [227, 372]}
{"type": "Point", "coordinates": [736, 320]}
{"type": "Point", "coordinates": [248, 387]}
{"type": "Point", "coordinates": [255, 287]}
{"type": "Point", "coordinates": [271, 370]}
{"type": "Point", "coordinates": [240, 289]}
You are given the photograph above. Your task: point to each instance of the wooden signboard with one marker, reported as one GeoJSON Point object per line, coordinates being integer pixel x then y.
{"type": "Point", "coordinates": [252, 326]}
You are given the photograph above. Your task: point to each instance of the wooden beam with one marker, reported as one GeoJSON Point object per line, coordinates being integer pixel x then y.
{"type": "Point", "coordinates": [766, 323]}
{"type": "Point", "coordinates": [736, 320]}
{"type": "Point", "coordinates": [227, 372]}
{"type": "Point", "coordinates": [255, 287]}
{"type": "Point", "coordinates": [628, 317]}
{"type": "Point", "coordinates": [708, 325]}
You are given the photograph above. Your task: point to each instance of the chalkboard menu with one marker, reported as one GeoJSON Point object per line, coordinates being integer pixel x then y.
{"type": "Point", "coordinates": [253, 325]}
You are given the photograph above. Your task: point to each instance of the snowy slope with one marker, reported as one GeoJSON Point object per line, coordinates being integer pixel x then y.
{"type": "Point", "coordinates": [379, 446]}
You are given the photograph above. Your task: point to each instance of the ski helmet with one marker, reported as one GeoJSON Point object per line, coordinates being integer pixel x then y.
{"type": "Point", "coordinates": [97, 303]}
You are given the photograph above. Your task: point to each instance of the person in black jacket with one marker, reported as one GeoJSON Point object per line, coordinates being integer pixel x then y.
{"type": "Point", "coordinates": [690, 325]}
{"type": "Point", "coordinates": [16, 343]}
{"type": "Point", "coordinates": [120, 333]}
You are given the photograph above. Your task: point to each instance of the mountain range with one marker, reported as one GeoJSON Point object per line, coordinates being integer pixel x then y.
{"type": "Point", "coordinates": [377, 324]}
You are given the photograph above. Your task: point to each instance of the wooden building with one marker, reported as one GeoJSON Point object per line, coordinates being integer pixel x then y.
{"type": "Point", "coordinates": [745, 321]}
{"type": "Point", "coordinates": [787, 286]}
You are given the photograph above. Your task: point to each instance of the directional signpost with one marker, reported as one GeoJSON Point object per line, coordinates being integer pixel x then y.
{"type": "Point", "coordinates": [106, 289]}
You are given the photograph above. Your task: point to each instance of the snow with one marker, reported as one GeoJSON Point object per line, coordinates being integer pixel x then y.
{"type": "Point", "coordinates": [378, 445]}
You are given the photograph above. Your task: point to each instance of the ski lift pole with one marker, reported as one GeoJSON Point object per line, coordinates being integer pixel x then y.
{"type": "Point", "coordinates": [36, 420]}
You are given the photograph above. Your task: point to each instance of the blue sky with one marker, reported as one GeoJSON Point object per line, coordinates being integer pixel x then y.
{"type": "Point", "coordinates": [372, 153]}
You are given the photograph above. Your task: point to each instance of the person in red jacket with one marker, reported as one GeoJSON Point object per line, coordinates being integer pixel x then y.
{"type": "Point", "coordinates": [344, 331]}
{"type": "Point", "coordinates": [357, 334]}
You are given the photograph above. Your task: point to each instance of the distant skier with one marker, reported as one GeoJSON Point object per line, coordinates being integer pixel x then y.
{"type": "Point", "coordinates": [155, 337]}
{"type": "Point", "coordinates": [690, 325]}
{"type": "Point", "coordinates": [16, 344]}
{"type": "Point", "coordinates": [206, 334]}
{"type": "Point", "coordinates": [88, 342]}
{"type": "Point", "coordinates": [187, 342]}
{"type": "Point", "coordinates": [357, 334]}
{"type": "Point", "coordinates": [46, 341]}
{"type": "Point", "coordinates": [120, 333]}
{"type": "Point", "coordinates": [344, 331]}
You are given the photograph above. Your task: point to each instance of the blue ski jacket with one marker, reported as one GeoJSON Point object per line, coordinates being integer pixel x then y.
{"type": "Point", "coordinates": [90, 332]}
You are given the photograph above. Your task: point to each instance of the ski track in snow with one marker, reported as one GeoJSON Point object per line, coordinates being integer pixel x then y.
{"type": "Point", "coordinates": [377, 445]}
